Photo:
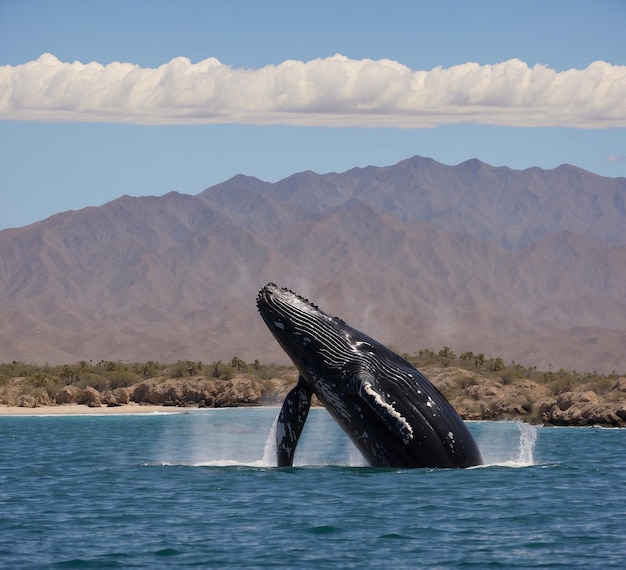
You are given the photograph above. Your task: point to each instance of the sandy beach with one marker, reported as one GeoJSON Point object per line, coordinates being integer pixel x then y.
{"type": "Point", "coordinates": [81, 409]}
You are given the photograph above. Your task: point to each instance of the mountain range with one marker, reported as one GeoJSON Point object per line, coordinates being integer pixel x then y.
{"type": "Point", "coordinates": [528, 265]}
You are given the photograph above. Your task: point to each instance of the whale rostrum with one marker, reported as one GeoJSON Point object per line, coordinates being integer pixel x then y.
{"type": "Point", "coordinates": [388, 408]}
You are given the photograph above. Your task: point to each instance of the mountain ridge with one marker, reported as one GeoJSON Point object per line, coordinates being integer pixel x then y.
{"type": "Point", "coordinates": [527, 264]}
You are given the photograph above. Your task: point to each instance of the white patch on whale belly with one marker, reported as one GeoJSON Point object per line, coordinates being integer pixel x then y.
{"type": "Point", "coordinates": [404, 424]}
{"type": "Point", "coordinates": [279, 325]}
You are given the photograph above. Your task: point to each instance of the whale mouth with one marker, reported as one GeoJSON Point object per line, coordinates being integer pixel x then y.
{"type": "Point", "coordinates": [274, 304]}
{"type": "Point", "coordinates": [272, 292]}
{"type": "Point", "coordinates": [284, 301]}
{"type": "Point", "coordinates": [267, 294]}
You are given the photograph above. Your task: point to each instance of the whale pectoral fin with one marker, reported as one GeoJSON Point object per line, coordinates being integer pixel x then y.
{"type": "Point", "coordinates": [370, 393]}
{"type": "Point", "coordinates": [290, 423]}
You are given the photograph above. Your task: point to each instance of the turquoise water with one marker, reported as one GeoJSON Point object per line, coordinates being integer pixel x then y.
{"type": "Point", "coordinates": [198, 489]}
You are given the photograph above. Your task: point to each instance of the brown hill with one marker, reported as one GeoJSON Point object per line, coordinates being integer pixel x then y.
{"type": "Point", "coordinates": [528, 265]}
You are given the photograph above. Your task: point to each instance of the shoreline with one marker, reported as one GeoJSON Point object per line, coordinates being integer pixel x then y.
{"type": "Point", "coordinates": [84, 410]}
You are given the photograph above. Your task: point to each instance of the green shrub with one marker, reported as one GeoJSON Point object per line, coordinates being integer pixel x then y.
{"type": "Point", "coordinates": [123, 379]}
{"type": "Point", "coordinates": [93, 380]}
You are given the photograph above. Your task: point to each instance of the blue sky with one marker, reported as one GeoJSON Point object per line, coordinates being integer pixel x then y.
{"type": "Point", "coordinates": [270, 88]}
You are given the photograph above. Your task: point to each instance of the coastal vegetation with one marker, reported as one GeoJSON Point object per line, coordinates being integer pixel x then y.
{"type": "Point", "coordinates": [480, 387]}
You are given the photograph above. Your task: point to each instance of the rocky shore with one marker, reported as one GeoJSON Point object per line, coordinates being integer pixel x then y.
{"type": "Point", "coordinates": [482, 398]}
{"type": "Point", "coordinates": [192, 392]}
{"type": "Point", "coordinates": [476, 397]}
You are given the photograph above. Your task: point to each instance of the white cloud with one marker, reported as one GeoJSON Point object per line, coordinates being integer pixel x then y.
{"type": "Point", "coordinates": [335, 91]}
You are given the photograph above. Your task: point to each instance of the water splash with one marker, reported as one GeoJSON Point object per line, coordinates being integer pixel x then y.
{"type": "Point", "coordinates": [527, 441]}
{"type": "Point", "coordinates": [324, 443]}
{"type": "Point", "coordinates": [508, 448]}
{"type": "Point", "coordinates": [220, 437]}
{"type": "Point", "coordinates": [247, 438]}
{"type": "Point", "coordinates": [269, 451]}
{"type": "Point", "coordinates": [227, 457]}
{"type": "Point", "coordinates": [315, 448]}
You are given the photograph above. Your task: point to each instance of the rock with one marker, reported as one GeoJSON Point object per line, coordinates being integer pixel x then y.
{"type": "Point", "coordinates": [201, 393]}
{"type": "Point", "coordinates": [121, 396]}
{"type": "Point", "coordinates": [572, 416]}
{"type": "Point", "coordinates": [174, 392]}
{"type": "Point", "coordinates": [91, 397]}
{"type": "Point", "coordinates": [170, 393]}
{"type": "Point", "coordinates": [141, 391]}
{"type": "Point", "coordinates": [68, 395]}
{"type": "Point", "coordinates": [602, 415]}
{"type": "Point", "coordinates": [495, 400]}
{"type": "Point", "coordinates": [110, 400]}
{"type": "Point", "coordinates": [568, 399]}
{"type": "Point", "coordinates": [582, 409]}
{"type": "Point", "coordinates": [554, 415]}
{"type": "Point", "coordinates": [26, 401]}
{"type": "Point", "coordinates": [505, 407]}
{"type": "Point", "coordinates": [485, 391]}
{"type": "Point", "coordinates": [238, 392]}
{"type": "Point", "coordinates": [620, 385]}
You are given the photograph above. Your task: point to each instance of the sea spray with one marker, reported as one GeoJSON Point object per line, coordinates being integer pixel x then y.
{"type": "Point", "coordinates": [228, 437]}
{"type": "Point", "coordinates": [527, 441]}
{"type": "Point", "coordinates": [269, 451]}
{"type": "Point", "coordinates": [355, 457]}
{"type": "Point", "coordinates": [218, 437]}
{"type": "Point", "coordinates": [509, 444]}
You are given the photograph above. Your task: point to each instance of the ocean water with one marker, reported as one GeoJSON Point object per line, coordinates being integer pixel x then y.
{"type": "Point", "coordinates": [199, 490]}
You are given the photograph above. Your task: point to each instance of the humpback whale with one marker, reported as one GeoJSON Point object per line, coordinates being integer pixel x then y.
{"type": "Point", "coordinates": [388, 408]}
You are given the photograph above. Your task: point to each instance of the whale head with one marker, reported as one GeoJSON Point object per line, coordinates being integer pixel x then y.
{"type": "Point", "coordinates": [311, 337]}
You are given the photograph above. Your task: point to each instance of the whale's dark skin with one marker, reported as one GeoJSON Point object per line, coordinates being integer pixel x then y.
{"type": "Point", "coordinates": [392, 413]}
